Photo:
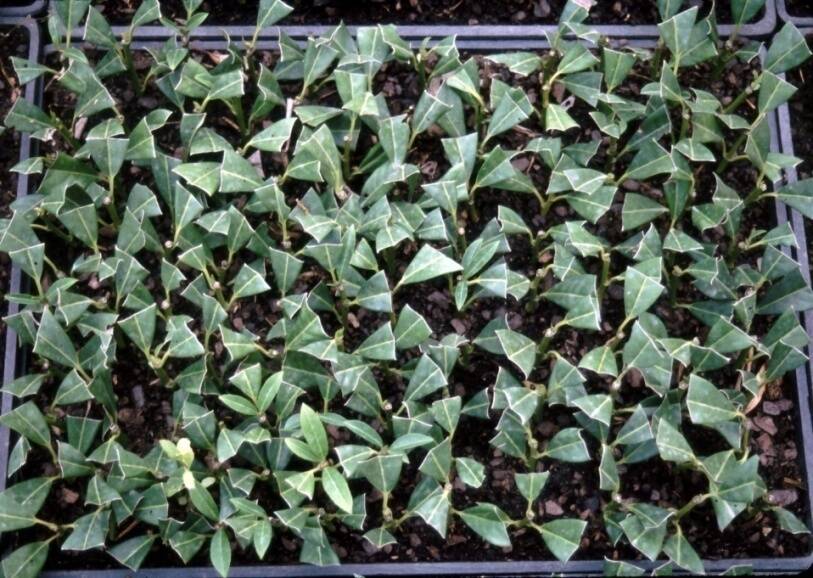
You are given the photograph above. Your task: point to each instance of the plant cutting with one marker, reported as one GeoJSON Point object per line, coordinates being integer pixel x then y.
{"type": "Point", "coordinates": [276, 298]}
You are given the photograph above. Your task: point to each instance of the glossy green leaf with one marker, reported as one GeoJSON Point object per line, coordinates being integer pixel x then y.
{"type": "Point", "coordinates": [562, 537]}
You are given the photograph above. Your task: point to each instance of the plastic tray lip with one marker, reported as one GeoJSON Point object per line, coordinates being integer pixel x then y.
{"type": "Point", "coordinates": [30, 9]}
{"type": "Point", "coordinates": [785, 15]}
{"type": "Point", "coordinates": [757, 29]}
{"type": "Point", "coordinates": [573, 568]}
{"type": "Point", "coordinates": [26, 147]}
{"type": "Point", "coordinates": [803, 377]}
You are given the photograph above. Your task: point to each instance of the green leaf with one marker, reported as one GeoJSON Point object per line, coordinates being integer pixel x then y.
{"type": "Point", "coordinates": [248, 282]}
{"type": "Point", "coordinates": [25, 386]}
{"type": "Point", "coordinates": [431, 503]}
{"type": "Point", "coordinates": [798, 195]}
{"type": "Point", "coordinates": [237, 175]}
{"type": "Point", "coordinates": [28, 421]}
{"type": "Point", "coordinates": [647, 539]}
{"type": "Point", "coordinates": [636, 430]}
{"type": "Point", "coordinates": [650, 160]}
{"type": "Point", "coordinates": [512, 109]}
{"type": "Point", "coordinates": [430, 108]}
{"type": "Point", "coordinates": [187, 544]}
{"type": "Point", "coordinates": [600, 360]}
{"type": "Point", "coordinates": [617, 65]}
{"type": "Point", "coordinates": [314, 431]}
{"type": "Point", "coordinates": [20, 503]}
{"type": "Point", "coordinates": [609, 480]}
{"type": "Point", "coordinates": [519, 349]}
{"type": "Point", "coordinates": [53, 343]}
{"type": "Point", "coordinates": [286, 268]}
{"type": "Point", "coordinates": [788, 50]}
{"type": "Point", "coordinates": [522, 401]}
{"type": "Point", "coordinates": [140, 327]}
{"type": "Point", "coordinates": [26, 561]}
{"type": "Point", "coordinates": [620, 568]}
{"type": "Point", "coordinates": [322, 148]}
{"type": "Point", "coordinates": [220, 552]}
{"type": "Point", "coordinates": [791, 293]}
{"type": "Point", "coordinates": [89, 531]}
{"type": "Point", "coordinates": [557, 119]}
{"type": "Point", "coordinates": [576, 57]}
{"type": "Point", "coordinates": [522, 63]}
{"type": "Point", "coordinates": [471, 472]}
{"type": "Point", "coordinates": [203, 502]}
{"type": "Point", "coordinates": [773, 92]}
{"type": "Point", "coordinates": [270, 12]}
{"type": "Point", "coordinates": [568, 446]}
{"type": "Point", "coordinates": [489, 522]}
{"type": "Point", "coordinates": [427, 264]}
{"type": "Point", "coordinates": [688, 42]}
{"type": "Point", "coordinates": [383, 471]}
{"type": "Point", "coordinates": [707, 405]}
{"type": "Point", "coordinates": [562, 537]}
{"type": "Point", "coordinates": [742, 11]}
{"type": "Point", "coordinates": [27, 117]}
{"type": "Point", "coordinates": [438, 461]}
{"type": "Point", "coordinates": [411, 329]}
{"type": "Point", "coordinates": [598, 407]}
{"type": "Point", "coordinates": [274, 137]}
{"type": "Point", "coordinates": [132, 552]}
{"type": "Point", "coordinates": [672, 446]}
{"type": "Point", "coordinates": [679, 550]}
{"type": "Point", "coordinates": [380, 345]}
{"type": "Point", "coordinates": [789, 522]}
{"type": "Point", "coordinates": [202, 175]}
{"type": "Point", "coordinates": [375, 295]}
{"type": "Point", "coordinates": [379, 537]}
{"type": "Point", "coordinates": [531, 485]}
{"type": "Point", "coordinates": [642, 286]}
{"type": "Point", "coordinates": [446, 412]}
{"type": "Point", "coordinates": [336, 488]}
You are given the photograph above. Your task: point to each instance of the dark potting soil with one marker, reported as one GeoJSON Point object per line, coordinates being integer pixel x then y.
{"type": "Point", "coordinates": [469, 12]}
{"type": "Point", "coordinates": [801, 126]}
{"type": "Point", "coordinates": [13, 42]}
{"type": "Point", "coordinates": [145, 406]}
{"type": "Point", "coordinates": [799, 7]}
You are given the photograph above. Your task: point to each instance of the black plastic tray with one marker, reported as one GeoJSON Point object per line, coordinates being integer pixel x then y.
{"type": "Point", "coordinates": [802, 375]}
{"type": "Point", "coordinates": [10, 360]}
{"type": "Point", "coordinates": [515, 32]}
{"type": "Point", "coordinates": [31, 9]}
{"type": "Point", "coordinates": [782, 9]}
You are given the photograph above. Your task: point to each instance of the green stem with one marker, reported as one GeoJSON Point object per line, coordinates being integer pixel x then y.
{"type": "Point", "coordinates": [693, 503]}
{"type": "Point", "coordinates": [50, 525]}
{"type": "Point", "coordinates": [111, 204]}
{"type": "Point", "coordinates": [239, 114]}
{"type": "Point", "coordinates": [605, 276]}
{"type": "Point", "coordinates": [386, 512]}
{"type": "Point", "coordinates": [737, 102]}
{"type": "Point", "coordinates": [348, 142]}
{"type": "Point", "coordinates": [727, 159]}
{"type": "Point", "coordinates": [127, 57]}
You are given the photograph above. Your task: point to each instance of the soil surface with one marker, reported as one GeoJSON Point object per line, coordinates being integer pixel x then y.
{"type": "Point", "coordinates": [13, 42]}
{"type": "Point", "coordinates": [799, 7]}
{"type": "Point", "coordinates": [421, 11]}
{"type": "Point", "coordinates": [145, 407]}
{"type": "Point", "coordinates": [801, 125]}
